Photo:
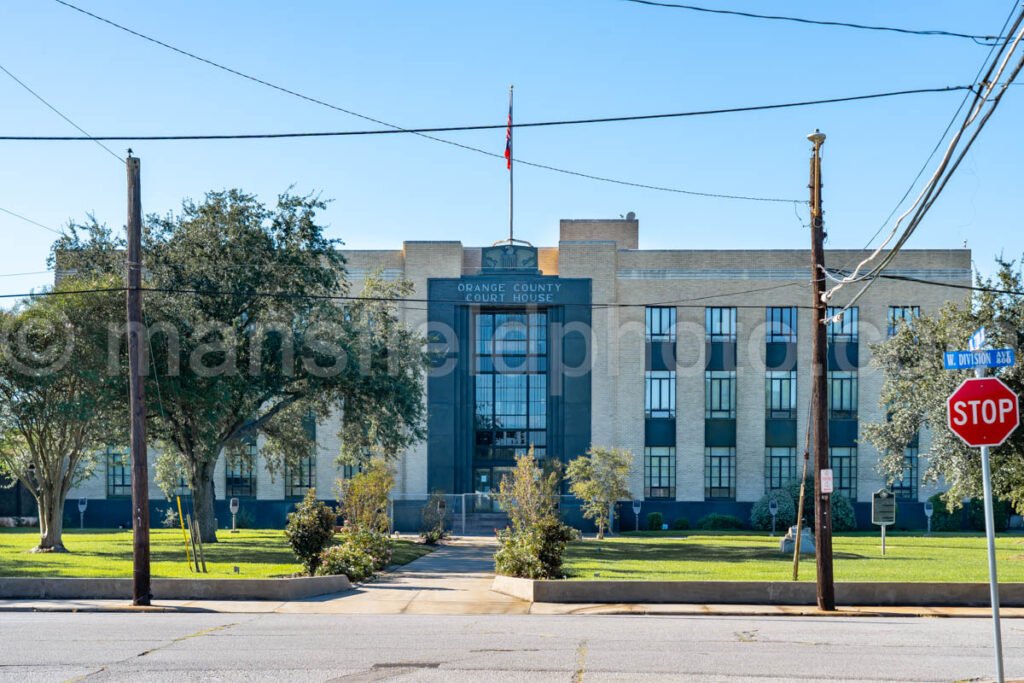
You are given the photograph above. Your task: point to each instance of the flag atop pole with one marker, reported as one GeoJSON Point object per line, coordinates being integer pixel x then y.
{"type": "Point", "coordinates": [508, 162]}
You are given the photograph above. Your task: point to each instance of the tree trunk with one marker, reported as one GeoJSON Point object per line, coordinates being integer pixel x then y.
{"type": "Point", "coordinates": [600, 530]}
{"type": "Point", "coordinates": [202, 501]}
{"type": "Point", "coordinates": [51, 523]}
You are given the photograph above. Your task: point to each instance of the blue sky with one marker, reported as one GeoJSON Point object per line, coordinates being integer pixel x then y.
{"type": "Point", "coordinates": [416, 63]}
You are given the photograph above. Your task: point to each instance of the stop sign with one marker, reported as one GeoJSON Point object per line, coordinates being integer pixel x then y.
{"type": "Point", "coordinates": [983, 411]}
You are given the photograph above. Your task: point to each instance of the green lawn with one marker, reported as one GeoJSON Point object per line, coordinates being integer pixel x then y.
{"type": "Point", "coordinates": [738, 556]}
{"type": "Point", "coordinates": [257, 553]}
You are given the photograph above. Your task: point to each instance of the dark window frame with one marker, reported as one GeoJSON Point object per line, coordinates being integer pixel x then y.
{"type": "Point", "coordinates": [659, 389]}
{"type": "Point", "coordinates": [781, 322]}
{"type": "Point", "coordinates": [846, 329]}
{"type": "Point", "coordinates": [660, 323]}
{"type": "Point", "coordinates": [720, 324]}
{"type": "Point", "coordinates": [778, 384]}
{"type": "Point", "coordinates": [843, 394]}
{"type": "Point", "coordinates": [119, 473]}
{"type": "Point", "coordinates": [660, 473]}
{"type": "Point", "coordinates": [843, 463]}
{"type": "Point", "coordinates": [901, 315]}
{"type": "Point", "coordinates": [240, 473]}
{"type": "Point", "coordinates": [719, 384]}
{"type": "Point", "coordinates": [720, 473]}
{"type": "Point", "coordinates": [905, 486]}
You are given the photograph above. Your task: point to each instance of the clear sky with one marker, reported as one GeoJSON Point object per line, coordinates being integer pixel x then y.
{"type": "Point", "coordinates": [450, 62]}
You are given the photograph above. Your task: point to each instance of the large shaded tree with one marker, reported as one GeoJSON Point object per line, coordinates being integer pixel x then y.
{"type": "Point", "coordinates": [916, 387]}
{"type": "Point", "coordinates": [60, 402]}
{"type": "Point", "coordinates": [252, 331]}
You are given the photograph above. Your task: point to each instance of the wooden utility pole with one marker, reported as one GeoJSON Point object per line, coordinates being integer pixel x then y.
{"type": "Point", "coordinates": [141, 594]}
{"type": "Point", "coordinates": [819, 393]}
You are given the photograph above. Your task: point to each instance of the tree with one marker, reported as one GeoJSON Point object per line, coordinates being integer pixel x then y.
{"type": "Point", "coordinates": [364, 497]}
{"type": "Point", "coordinates": [252, 332]}
{"type": "Point", "coordinates": [528, 494]}
{"type": "Point", "coordinates": [59, 403]}
{"type": "Point", "coordinates": [916, 388]}
{"type": "Point", "coordinates": [599, 479]}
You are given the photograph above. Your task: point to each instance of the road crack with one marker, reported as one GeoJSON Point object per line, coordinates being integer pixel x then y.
{"type": "Point", "coordinates": [581, 662]}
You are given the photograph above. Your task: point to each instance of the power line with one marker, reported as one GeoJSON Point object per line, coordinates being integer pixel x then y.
{"type": "Point", "coordinates": [58, 112]}
{"type": "Point", "coordinates": [451, 129]}
{"type": "Point", "coordinates": [818, 22]}
{"type": "Point", "coordinates": [29, 220]}
{"type": "Point", "coordinates": [350, 112]}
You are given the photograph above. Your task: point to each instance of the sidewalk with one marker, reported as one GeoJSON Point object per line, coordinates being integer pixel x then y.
{"type": "Point", "coordinates": [456, 579]}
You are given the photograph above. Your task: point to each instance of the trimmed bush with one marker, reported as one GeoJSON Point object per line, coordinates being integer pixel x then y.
{"type": "Point", "coordinates": [534, 553]}
{"type": "Point", "coordinates": [761, 518]}
{"type": "Point", "coordinates": [375, 544]}
{"type": "Point", "coordinates": [719, 522]}
{"type": "Point", "coordinates": [309, 530]}
{"type": "Point", "coordinates": [843, 518]}
{"type": "Point", "coordinates": [435, 516]}
{"type": "Point", "coordinates": [347, 559]}
{"type": "Point", "coordinates": [681, 524]}
{"type": "Point", "coordinates": [944, 519]}
{"type": "Point", "coordinates": [654, 521]}
{"type": "Point", "coordinates": [1001, 511]}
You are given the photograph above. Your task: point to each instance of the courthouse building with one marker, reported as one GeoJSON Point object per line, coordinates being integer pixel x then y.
{"type": "Point", "coordinates": [696, 361]}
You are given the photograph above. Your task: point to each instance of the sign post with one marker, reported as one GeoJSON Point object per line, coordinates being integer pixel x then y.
{"type": "Point", "coordinates": [636, 512]}
{"type": "Point", "coordinates": [773, 509]}
{"type": "Point", "coordinates": [929, 510]}
{"type": "Point", "coordinates": [983, 412]}
{"type": "Point", "coordinates": [233, 505]}
{"type": "Point", "coordinates": [82, 504]}
{"type": "Point", "coordinates": [883, 511]}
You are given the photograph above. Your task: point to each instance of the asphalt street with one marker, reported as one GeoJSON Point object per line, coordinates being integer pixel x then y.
{"type": "Point", "coordinates": [355, 648]}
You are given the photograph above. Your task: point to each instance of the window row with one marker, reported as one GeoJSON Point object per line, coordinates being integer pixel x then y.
{"type": "Point", "coordinates": [239, 475]}
{"type": "Point", "coordinates": [780, 470]}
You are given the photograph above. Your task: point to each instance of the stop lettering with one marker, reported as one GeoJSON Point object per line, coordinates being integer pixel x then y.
{"type": "Point", "coordinates": [983, 411]}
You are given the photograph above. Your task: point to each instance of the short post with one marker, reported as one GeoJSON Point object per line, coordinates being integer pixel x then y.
{"type": "Point", "coordinates": [883, 539]}
{"type": "Point", "coordinates": [883, 511]}
{"type": "Point", "coordinates": [463, 514]}
{"type": "Point", "coordinates": [82, 504]}
{"type": "Point", "coordinates": [929, 510]}
{"type": "Point", "coordinates": [773, 510]}
{"type": "Point", "coordinates": [637, 504]}
{"type": "Point", "coordinates": [233, 505]}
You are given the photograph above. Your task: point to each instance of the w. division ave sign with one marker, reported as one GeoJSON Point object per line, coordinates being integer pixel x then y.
{"type": "Point", "coordinates": [983, 411]}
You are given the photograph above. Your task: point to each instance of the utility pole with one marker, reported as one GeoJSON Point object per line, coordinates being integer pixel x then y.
{"type": "Point", "coordinates": [819, 406]}
{"type": "Point", "coordinates": [141, 594]}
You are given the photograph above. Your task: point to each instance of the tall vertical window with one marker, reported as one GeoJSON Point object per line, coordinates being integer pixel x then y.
{"type": "Point", "coordinates": [720, 324]}
{"type": "Point", "coordinates": [846, 328]}
{"type": "Point", "coordinates": [842, 394]}
{"type": "Point", "coordinates": [240, 471]}
{"type": "Point", "coordinates": [720, 394]}
{"type": "Point", "coordinates": [660, 393]}
{"type": "Point", "coordinates": [779, 467]}
{"type": "Point", "coordinates": [119, 473]}
{"type": "Point", "coordinates": [902, 315]}
{"type": "Point", "coordinates": [720, 472]}
{"type": "Point", "coordinates": [905, 486]}
{"type": "Point", "coordinates": [660, 472]}
{"type": "Point", "coordinates": [510, 385]}
{"type": "Point", "coordinates": [780, 394]}
{"type": "Point", "coordinates": [300, 476]}
{"type": "Point", "coordinates": [843, 462]}
{"type": "Point", "coordinates": [661, 323]}
{"type": "Point", "coordinates": [781, 322]}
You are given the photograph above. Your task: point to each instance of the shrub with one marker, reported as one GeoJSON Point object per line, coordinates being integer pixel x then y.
{"type": "Point", "coordinates": [347, 559]}
{"type": "Point", "coordinates": [944, 519]}
{"type": "Point", "coordinates": [843, 518]}
{"type": "Point", "coordinates": [716, 521]}
{"type": "Point", "coordinates": [364, 497]}
{"type": "Point", "coordinates": [681, 524]}
{"type": "Point", "coordinates": [170, 520]}
{"type": "Point", "coordinates": [535, 553]}
{"type": "Point", "coordinates": [654, 521]}
{"type": "Point", "coordinates": [375, 544]}
{"type": "Point", "coordinates": [1001, 511]}
{"type": "Point", "coordinates": [309, 530]}
{"type": "Point", "coordinates": [761, 518]}
{"type": "Point", "coordinates": [435, 516]}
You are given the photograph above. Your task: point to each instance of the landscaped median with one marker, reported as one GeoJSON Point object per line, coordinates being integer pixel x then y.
{"type": "Point", "coordinates": [99, 565]}
{"type": "Point", "coordinates": [747, 568]}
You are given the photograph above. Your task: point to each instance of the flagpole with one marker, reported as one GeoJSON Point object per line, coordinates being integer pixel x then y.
{"type": "Point", "coordinates": [510, 195]}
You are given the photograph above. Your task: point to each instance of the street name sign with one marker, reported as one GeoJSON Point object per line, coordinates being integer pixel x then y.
{"type": "Point", "coordinates": [983, 411]}
{"type": "Point", "coordinates": [978, 339]}
{"type": "Point", "coordinates": [985, 358]}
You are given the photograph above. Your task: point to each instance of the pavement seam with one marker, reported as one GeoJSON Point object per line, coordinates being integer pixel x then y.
{"type": "Point", "coordinates": [581, 662]}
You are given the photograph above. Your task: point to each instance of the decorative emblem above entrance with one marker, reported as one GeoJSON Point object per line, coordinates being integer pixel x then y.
{"type": "Point", "coordinates": [503, 258]}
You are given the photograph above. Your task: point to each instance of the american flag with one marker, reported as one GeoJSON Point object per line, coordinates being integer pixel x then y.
{"type": "Point", "coordinates": [508, 135]}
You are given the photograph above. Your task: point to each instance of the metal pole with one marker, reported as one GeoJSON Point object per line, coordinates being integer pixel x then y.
{"type": "Point", "coordinates": [819, 360]}
{"type": "Point", "coordinates": [990, 537]}
{"type": "Point", "coordinates": [510, 164]}
{"type": "Point", "coordinates": [141, 594]}
{"type": "Point", "coordinates": [883, 540]}
{"type": "Point", "coordinates": [463, 514]}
